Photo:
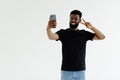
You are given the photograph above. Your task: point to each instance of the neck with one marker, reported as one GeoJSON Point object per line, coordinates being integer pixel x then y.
{"type": "Point", "coordinates": [74, 29]}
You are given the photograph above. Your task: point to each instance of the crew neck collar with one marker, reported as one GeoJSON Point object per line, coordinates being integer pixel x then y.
{"type": "Point", "coordinates": [73, 29]}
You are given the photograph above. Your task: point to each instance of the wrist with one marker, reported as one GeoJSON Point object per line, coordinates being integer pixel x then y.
{"type": "Point", "coordinates": [48, 28]}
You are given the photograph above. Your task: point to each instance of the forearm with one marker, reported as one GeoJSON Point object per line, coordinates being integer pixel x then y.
{"type": "Point", "coordinates": [98, 33]}
{"type": "Point", "coordinates": [51, 35]}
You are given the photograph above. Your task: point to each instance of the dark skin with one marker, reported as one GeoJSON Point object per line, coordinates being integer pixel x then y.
{"type": "Point", "coordinates": [74, 19]}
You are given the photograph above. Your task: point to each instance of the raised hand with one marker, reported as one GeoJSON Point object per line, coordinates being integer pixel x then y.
{"type": "Point", "coordinates": [52, 24]}
{"type": "Point", "coordinates": [87, 24]}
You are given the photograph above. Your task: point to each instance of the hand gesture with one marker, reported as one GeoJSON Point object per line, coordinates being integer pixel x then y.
{"type": "Point", "coordinates": [87, 24]}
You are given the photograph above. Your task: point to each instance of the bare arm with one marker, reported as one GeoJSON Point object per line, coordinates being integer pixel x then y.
{"type": "Point", "coordinates": [51, 35]}
{"type": "Point", "coordinates": [98, 34]}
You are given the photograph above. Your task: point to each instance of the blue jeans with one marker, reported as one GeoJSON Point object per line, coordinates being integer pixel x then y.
{"type": "Point", "coordinates": [73, 75]}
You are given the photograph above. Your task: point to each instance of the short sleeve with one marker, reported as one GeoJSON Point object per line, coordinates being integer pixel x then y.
{"type": "Point", "coordinates": [60, 34]}
{"type": "Point", "coordinates": [89, 35]}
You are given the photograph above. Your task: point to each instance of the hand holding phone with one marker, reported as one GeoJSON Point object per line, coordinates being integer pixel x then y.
{"type": "Point", "coordinates": [53, 20]}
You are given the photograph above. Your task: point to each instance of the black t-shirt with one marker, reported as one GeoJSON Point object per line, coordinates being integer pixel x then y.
{"type": "Point", "coordinates": [74, 48]}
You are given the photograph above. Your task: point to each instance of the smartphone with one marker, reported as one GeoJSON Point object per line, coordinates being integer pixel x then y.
{"type": "Point", "coordinates": [52, 17]}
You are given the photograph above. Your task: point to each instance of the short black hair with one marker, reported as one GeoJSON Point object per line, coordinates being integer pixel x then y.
{"type": "Point", "coordinates": [76, 12]}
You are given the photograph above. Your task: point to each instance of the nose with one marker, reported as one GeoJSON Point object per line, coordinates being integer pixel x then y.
{"type": "Point", "coordinates": [73, 20]}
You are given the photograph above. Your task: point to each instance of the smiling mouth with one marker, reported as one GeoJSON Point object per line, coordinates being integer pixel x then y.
{"type": "Point", "coordinates": [73, 23]}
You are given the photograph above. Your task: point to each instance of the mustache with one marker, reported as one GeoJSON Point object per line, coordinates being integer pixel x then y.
{"type": "Point", "coordinates": [73, 26]}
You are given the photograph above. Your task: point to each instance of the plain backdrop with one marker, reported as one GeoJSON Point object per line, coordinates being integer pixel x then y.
{"type": "Point", "coordinates": [26, 53]}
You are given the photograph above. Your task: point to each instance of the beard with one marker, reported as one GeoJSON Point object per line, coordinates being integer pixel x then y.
{"type": "Point", "coordinates": [73, 26]}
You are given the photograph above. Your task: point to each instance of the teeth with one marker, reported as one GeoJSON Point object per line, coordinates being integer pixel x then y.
{"type": "Point", "coordinates": [73, 23]}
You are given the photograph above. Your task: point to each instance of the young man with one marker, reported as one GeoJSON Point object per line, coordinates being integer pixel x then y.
{"type": "Point", "coordinates": [74, 45]}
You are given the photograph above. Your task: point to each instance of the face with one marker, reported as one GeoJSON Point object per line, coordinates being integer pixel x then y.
{"type": "Point", "coordinates": [74, 21]}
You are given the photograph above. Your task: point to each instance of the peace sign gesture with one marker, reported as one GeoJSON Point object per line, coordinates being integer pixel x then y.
{"type": "Point", "coordinates": [87, 24]}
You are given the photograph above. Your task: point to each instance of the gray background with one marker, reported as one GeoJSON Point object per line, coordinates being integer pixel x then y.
{"type": "Point", "coordinates": [27, 54]}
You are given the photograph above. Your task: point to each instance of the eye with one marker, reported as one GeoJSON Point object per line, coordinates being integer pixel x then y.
{"type": "Point", "coordinates": [76, 19]}
{"type": "Point", "coordinates": [72, 18]}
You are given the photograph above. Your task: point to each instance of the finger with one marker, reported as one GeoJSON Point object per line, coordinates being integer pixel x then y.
{"type": "Point", "coordinates": [83, 23]}
{"type": "Point", "coordinates": [83, 20]}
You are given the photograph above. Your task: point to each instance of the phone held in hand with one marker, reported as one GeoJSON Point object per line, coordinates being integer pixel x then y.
{"type": "Point", "coordinates": [52, 17]}
{"type": "Point", "coordinates": [53, 20]}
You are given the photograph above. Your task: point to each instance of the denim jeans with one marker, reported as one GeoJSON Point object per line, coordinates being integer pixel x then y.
{"type": "Point", "coordinates": [73, 75]}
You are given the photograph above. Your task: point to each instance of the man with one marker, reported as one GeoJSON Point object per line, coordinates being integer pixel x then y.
{"type": "Point", "coordinates": [74, 45]}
